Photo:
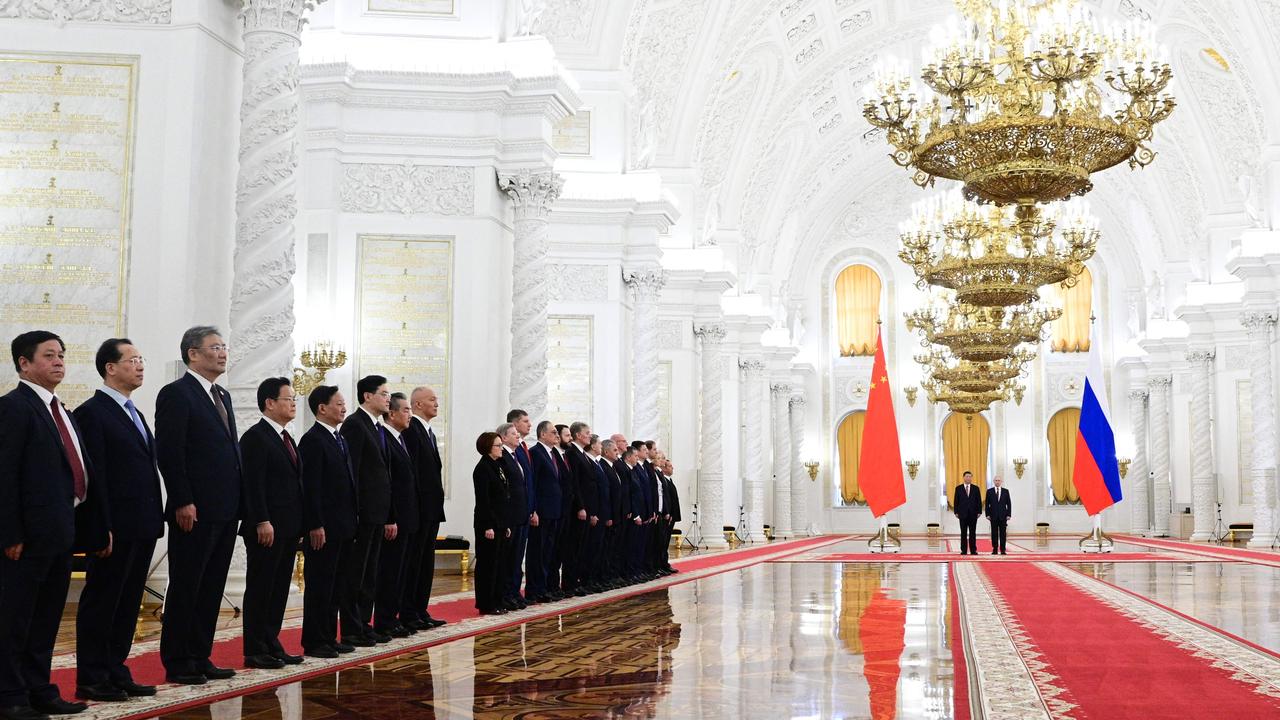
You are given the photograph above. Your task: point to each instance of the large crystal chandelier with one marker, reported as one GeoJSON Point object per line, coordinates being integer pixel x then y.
{"type": "Point", "coordinates": [996, 256]}
{"type": "Point", "coordinates": [1029, 98]}
{"type": "Point", "coordinates": [981, 334]}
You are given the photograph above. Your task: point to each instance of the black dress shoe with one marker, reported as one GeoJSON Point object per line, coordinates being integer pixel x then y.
{"type": "Point", "coordinates": [262, 662]}
{"type": "Point", "coordinates": [58, 706]}
{"type": "Point", "coordinates": [380, 638]}
{"type": "Point", "coordinates": [133, 689]}
{"type": "Point", "coordinates": [1003, 552]}
{"type": "Point", "coordinates": [187, 679]}
{"type": "Point", "coordinates": [213, 672]}
{"type": "Point", "coordinates": [343, 648]}
{"type": "Point", "coordinates": [396, 631]}
{"type": "Point", "coordinates": [433, 622]}
{"type": "Point", "coordinates": [21, 712]}
{"type": "Point", "coordinates": [416, 625]}
{"type": "Point", "coordinates": [323, 653]}
{"type": "Point", "coordinates": [286, 658]}
{"type": "Point", "coordinates": [357, 641]}
{"type": "Point", "coordinates": [102, 692]}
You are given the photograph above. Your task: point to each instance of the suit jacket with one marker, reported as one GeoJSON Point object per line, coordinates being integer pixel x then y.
{"type": "Point", "coordinates": [272, 484]}
{"type": "Point", "coordinates": [37, 489]}
{"type": "Point", "coordinates": [671, 498]}
{"type": "Point", "coordinates": [404, 486]}
{"type": "Point", "coordinates": [641, 502]}
{"type": "Point", "coordinates": [998, 511]}
{"type": "Point", "coordinates": [365, 445]}
{"type": "Point", "coordinates": [624, 503]}
{"type": "Point", "coordinates": [530, 486]}
{"type": "Point", "coordinates": [426, 459]}
{"type": "Point", "coordinates": [328, 486]}
{"type": "Point", "coordinates": [198, 456]}
{"type": "Point", "coordinates": [603, 488]}
{"type": "Point", "coordinates": [570, 501]}
{"type": "Point", "coordinates": [583, 471]}
{"type": "Point", "coordinates": [492, 498]}
{"type": "Point", "coordinates": [617, 498]}
{"type": "Point", "coordinates": [967, 506]}
{"type": "Point", "coordinates": [547, 498]}
{"type": "Point", "coordinates": [517, 492]}
{"type": "Point", "coordinates": [126, 484]}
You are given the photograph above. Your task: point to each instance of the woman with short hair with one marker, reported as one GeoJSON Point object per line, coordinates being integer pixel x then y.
{"type": "Point", "coordinates": [491, 525]}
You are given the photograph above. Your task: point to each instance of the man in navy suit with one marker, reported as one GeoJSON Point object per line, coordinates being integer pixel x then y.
{"type": "Point", "coordinates": [967, 503]}
{"type": "Point", "coordinates": [45, 475]}
{"type": "Point", "coordinates": [420, 565]}
{"type": "Point", "coordinates": [520, 533]}
{"type": "Point", "coordinates": [122, 450]}
{"type": "Point", "coordinates": [626, 505]}
{"type": "Point", "coordinates": [560, 577]}
{"type": "Point", "coordinates": [329, 519]}
{"type": "Point", "coordinates": [653, 508]}
{"type": "Point", "coordinates": [610, 574]}
{"type": "Point", "coordinates": [199, 459]}
{"type": "Point", "coordinates": [585, 484]}
{"type": "Point", "coordinates": [517, 516]}
{"type": "Point", "coordinates": [366, 441]}
{"type": "Point", "coordinates": [604, 517]}
{"type": "Point", "coordinates": [641, 508]}
{"type": "Point", "coordinates": [404, 498]}
{"type": "Point", "coordinates": [998, 509]}
{"type": "Point", "coordinates": [272, 523]}
{"type": "Point", "coordinates": [541, 554]}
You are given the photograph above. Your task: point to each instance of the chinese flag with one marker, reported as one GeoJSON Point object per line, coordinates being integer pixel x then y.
{"type": "Point", "coordinates": [880, 460]}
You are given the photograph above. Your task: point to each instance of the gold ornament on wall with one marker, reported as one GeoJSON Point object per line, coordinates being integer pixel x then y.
{"type": "Point", "coordinates": [1019, 466]}
{"type": "Point", "coordinates": [317, 360]}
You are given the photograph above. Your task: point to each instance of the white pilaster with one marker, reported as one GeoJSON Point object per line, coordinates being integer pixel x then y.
{"type": "Point", "coordinates": [1140, 484]}
{"type": "Point", "coordinates": [532, 194]}
{"type": "Point", "coordinates": [710, 460]}
{"type": "Point", "coordinates": [1161, 486]}
{"type": "Point", "coordinates": [1260, 326]}
{"type": "Point", "coordinates": [1204, 490]}
{"type": "Point", "coordinates": [799, 475]}
{"type": "Point", "coordinates": [646, 286]}
{"type": "Point", "coordinates": [781, 394]}
{"type": "Point", "coordinates": [753, 439]}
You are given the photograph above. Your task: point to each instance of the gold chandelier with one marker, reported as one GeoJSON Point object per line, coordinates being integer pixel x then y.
{"type": "Point", "coordinates": [973, 377]}
{"type": "Point", "coordinates": [1029, 98]}
{"type": "Point", "coordinates": [996, 256]}
{"type": "Point", "coordinates": [969, 403]}
{"type": "Point", "coordinates": [981, 334]}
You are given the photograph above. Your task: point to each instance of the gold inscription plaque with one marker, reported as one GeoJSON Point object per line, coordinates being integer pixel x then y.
{"type": "Point", "coordinates": [569, 348]}
{"type": "Point", "coordinates": [66, 145]}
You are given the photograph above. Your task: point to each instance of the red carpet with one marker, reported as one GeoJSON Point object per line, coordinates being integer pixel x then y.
{"type": "Point", "coordinates": [1266, 556]}
{"type": "Point", "coordinates": [1112, 667]}
{"type": "Point", "coordinates": [997, 559]}
{"type": "Point", "coordinates": [959, 662]}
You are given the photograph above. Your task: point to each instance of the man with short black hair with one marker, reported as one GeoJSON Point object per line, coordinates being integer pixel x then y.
{"type": "Point", "coordinates": [519, 419]}
{"type": "Point", "coordinates": [967, 503]}
{"type": "Point", "coordinates": [404, 498]}
{"type": "Point", "coordinates": [585, 484]}
{"type": "Point", "coordinates": [518, 515]}
{"type": "Point", "coordinates": [540, 557]}
{"type": "Point", "coordinates": [198, 453]}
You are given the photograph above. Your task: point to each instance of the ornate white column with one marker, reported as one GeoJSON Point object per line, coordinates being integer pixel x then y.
{"type": "Point", "coordinates": [799, 475]}
{"type": "Point", "coordinates": [1140, 485]}
{"type": "Point", "coordinates": [781, 393]}
{"type": "Point", "coordinates": [753, 442]}
{"type": "Point", "coordinates": [532, 194]}
{"type": "Point", "coordinates": [1162, 485]}
{"type": "Point", "coordinates": [646, 286]}
{"type": "Point", "coordinates": [1260, 326]}
{"type": "Point", "coordinates": [710, 460]}
{"type": "Point", "coordinates": [262, 319]}
{"type": "Point", "coordinates": [1204, 490]}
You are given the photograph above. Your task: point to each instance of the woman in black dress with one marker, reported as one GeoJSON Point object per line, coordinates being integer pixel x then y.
{"type": "Point", "coordinates": [491, 526]}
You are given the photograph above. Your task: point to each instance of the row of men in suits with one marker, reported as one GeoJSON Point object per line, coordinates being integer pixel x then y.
{"type": "Point", "coordinates": [969, 503]}
{"type": "Point", "coordinates": [568, 514]}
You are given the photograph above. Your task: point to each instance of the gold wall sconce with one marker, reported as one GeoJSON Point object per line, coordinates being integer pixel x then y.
{"type": "Point", "coordinates": [1124, 466]}
{"type": "Point", "coordinates": [812, 467]}
{"type": "Point", "coordinates": [1019, 466]}
{"type": "Point", "coordinates": [913, 468]}
{"type": "Point", "coordinates": [911, 391]}
{"type": "Point", "coordinates": [317, 360]}
{"type": "Point", "coordinates": [1018, 390]}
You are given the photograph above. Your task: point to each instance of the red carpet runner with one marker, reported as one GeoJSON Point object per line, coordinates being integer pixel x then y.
{"type": "Point", "coordinates": [1266, 557]}
{"type": "Point", "coordinates": [1097, 652]}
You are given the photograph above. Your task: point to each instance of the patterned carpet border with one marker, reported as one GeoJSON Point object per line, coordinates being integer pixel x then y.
{"type": "Point", "coordinates": [1255, 557]}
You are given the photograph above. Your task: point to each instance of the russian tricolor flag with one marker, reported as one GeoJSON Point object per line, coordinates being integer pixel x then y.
{"type": "Point", "coordinates": [1097, 474]}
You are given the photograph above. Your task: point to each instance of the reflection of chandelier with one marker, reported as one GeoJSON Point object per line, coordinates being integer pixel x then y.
{"type": "Point", "coordinates": [996, 257]}
{"type": "Point", "coordinates": [1035, 98]}
{"type": "Point", "coordinates": [981, 334]}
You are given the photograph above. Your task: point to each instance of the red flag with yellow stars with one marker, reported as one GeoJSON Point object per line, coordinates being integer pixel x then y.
{"type": "Point", "coordinates": [880, 460]}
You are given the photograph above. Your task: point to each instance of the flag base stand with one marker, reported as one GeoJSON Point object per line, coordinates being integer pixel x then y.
{"type": "Point", "coordinates": [883, 542]}
{"type": "Point", "coordinates": [1097, 541]}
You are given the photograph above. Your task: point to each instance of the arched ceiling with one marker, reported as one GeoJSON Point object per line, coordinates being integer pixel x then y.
{"type": "Point", "coordinates": [762, 100]}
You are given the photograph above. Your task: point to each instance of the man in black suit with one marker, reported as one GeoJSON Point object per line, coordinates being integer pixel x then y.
{"type": "Point", "coordinates": [615, 528]}
{"type": "Point", "coordinates": [272, 523]}
{"type": "Point", "coordinates": [541, 552]}
{"type": "Point", "coordinates": [517, 515]}
{"type": "Point", "coordinates": [571, 515]}
{"type": "Point", "coordinates": [199, 460]}
{"type": "Point", "coordinates": [520, 534]}
{"type": "Point", "coordinates": [404, 498]}
{"type": "Point", "coordinates": [654, 498]}
{"type": "Point", "coordinates": [44, 475]}
{"type": "Point", "coordinates": [671, 500]}
{"type": "Point", "coordinates": [329, 519]}
{"type": "Point", "coordinates": [584, 472]}
{"type": "Point", "coordinates": [598, 534]}
{"type": "Point", "coordinates": [641, 507]}
{"type": "Point", "coordinates": [420, 564]}
{"type": "Point", "coordinates": [366, 440]}
{"type": "Point", "coordinates": [122, 451]}
{"type": "Point", "coordinates": [999, 510]}
{"type": "Point", "coordinates": [967, 503]}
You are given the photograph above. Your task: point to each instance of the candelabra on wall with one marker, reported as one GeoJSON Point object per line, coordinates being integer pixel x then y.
{"type": "Point", "coordinates": [911, 392]}
{"type": "Point", "coordinates": [812, 466]}
{"type": "Point", "coordinates": [317, 360]}
{"type": "Point", "coordinates": [913, 468]}
{"type": "Point", "coordinates": [1019, 466]}
{"type": "Point", "coordinates": [1124, 466]}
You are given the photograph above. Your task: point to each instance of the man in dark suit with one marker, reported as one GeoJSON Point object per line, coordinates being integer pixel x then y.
{"type": "Point", "coordinates": [517, 515]}
{"type": "Point", "coordinates": [520, 534]}
{"type": "Point", "coordinates": [122, 451]}
{"type": "Point", "coordinates": [626, 505]}
{"type": "Point", "coordinates": [420, 564]}
{"type": "Point", "coordinates": [615, 529]}
{"type": "Point", "coordinates": [641, 508]}
{"type": "Point", "coordinates": [404, 498]}
{"type": "Point", "coordinates": [659, 539]}
{"type": "Point", "coordinates": [967, 503]}
{"type": "Point", "coordinates": [366, 441]}
{"type": "Point", "coordinates": [671, 500]}
{"type": "Point", "coordinates": [199, 459]}
{"type": "Point", "coordinates": [272, 523]}
{"type": "Point", "coordinates": [329, 519]}
{"type": "Point", "coordinates": [44, 475]}
{"type": "Point", "coordinates": [541, 552]}
{"type": "Point", "coordinates": [999, 510]}
{"type": "Point", "coordinates": [583, 471]}
{"type": "Point", "coordinates": [653, 508]}
{"type": "Point", "coordinates": [571, 513]}
{"type": "Point", "coordinates": [597, 535]}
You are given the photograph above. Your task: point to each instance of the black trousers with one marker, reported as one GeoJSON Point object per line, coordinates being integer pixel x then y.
{"type": "Point", "coordinates": [968, 541]}
{"type": "Point", "coordinates": [515, 561]}
{"type": "Point", "coordinates": [266, 591]}
{"type": "Point", "coordinates": [998, 532]}
{"type": "Point", "coordinates": [357, 580]}
{"type": "Point", "coordinates": [33, 590]}
{"type": "Point", "coordinates": [657, 549]}
{"type": "Point", "coordinates": [391, 573]}
{"type": "Point", "coordinates": [319, 600]}
{"type": "Point", "coordinates": [488, 570]}
{"type": "Point", "coordinates": [419, 569]}
{"type": "Point", "coordinates": [198, 563]}
{"type": "Point", "coordinates": [107, 613]}
{"type": "Point", "coordinates": [637, 535]}
{"type": "Point", "coordinates": [571, 552]}
{"type": "Point", "coordinates": [540, 557]}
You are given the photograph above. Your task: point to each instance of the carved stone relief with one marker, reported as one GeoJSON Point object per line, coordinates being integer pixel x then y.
{"type": "Point", "coordinates": [578, 283]}
{"type": "Point", "coordinates": [156, 12]}
{"type": "Point", "coordinates": [407, 188]}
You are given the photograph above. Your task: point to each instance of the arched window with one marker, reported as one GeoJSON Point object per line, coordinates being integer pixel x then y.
{"type": "Point", "coordinates": [1062, 455]}
{"type": "Point", "coordinates": [966, 440]}
{"type": "Point", "coordinates": [1071, 331]}
{"type": "Point", "coordinates": [849, 442]}
{"type": "Point", "coordinates": [857, 309]}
